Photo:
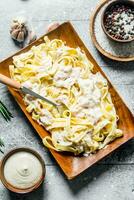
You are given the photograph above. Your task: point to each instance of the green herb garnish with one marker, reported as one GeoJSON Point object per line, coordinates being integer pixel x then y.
{"type": "Point", "coordinates": [4, 112]}
{"type": "Point", "coordinates": [1, 145]}
{"type": "Point", "coordinates": [7, 116]}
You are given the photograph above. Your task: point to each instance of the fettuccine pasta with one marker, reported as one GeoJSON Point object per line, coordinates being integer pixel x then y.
{"type": "Point", "coordinates": [86, 119]}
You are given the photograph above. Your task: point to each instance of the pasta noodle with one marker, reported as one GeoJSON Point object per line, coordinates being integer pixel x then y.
{"type": "Point", "coordinates": [86, 120]}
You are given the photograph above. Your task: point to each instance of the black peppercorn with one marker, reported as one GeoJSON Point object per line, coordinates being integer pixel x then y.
{"type": "Point", "coordinates": [118, 22]}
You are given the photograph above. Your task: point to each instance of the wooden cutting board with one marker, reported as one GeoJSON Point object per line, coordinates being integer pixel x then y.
{"type": "Point", "coordinates": [71, 165]}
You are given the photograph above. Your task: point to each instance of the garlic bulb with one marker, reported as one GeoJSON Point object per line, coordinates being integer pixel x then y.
{"type": "Point", "coordinates": [19, 29]}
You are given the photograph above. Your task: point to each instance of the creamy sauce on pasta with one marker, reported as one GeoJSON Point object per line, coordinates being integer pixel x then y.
{"type": "Point", "coordinates": [86, 121]}
{"type": "Point", "coordinates": [22, 170]}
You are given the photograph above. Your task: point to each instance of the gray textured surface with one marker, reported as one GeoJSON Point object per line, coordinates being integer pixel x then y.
{"type": "Point", "coordinates": [113, 177]}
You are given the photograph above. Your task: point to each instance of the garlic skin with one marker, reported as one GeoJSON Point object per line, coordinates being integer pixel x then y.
{"type": "Point", "coordinates": [18, 30]}
{"type": "Point", "coordinates": [31, 36]}
{"type": "Point", "coordinates": [52, 26]}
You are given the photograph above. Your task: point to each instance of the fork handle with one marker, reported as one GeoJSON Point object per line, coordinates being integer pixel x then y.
{"type": "Point", "coordinates": [9, 82]}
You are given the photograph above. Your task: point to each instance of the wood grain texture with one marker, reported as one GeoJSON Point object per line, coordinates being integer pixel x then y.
{"type": "Point", "coordinates": [73, 166]}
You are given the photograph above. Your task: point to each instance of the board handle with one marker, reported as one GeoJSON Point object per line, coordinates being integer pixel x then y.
{"type": "Point", "coordinates": [9, 82]}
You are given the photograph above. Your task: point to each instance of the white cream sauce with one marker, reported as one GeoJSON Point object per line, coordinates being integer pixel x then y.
{"type": "Point", "coordinates": [22, 170]}
{"type": "Point", "coordinates": [88, 98]}
{"type": "Point", "coordinates": [88, 102]}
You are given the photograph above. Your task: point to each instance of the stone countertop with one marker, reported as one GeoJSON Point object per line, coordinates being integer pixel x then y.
{"type": "Point", "coordinates": [113, 177]}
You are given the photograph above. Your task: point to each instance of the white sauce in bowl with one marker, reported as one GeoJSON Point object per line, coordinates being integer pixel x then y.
{"type": "Point", "coordinates": [23, 170]}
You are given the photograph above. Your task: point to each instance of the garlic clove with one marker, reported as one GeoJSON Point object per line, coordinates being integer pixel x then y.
{"type": "Point", "coordinates": [25, 30]}
{"type": "Point", "coordinates": [14, 34]}
{"type": "Point", "coordinates": [20, 37]}
{"type": "Point", "coordinates": [14, 25]}
{"type": "Point", "coordinates": [52, 26]}
{"type": "Point", "coordinates": [31, 37]}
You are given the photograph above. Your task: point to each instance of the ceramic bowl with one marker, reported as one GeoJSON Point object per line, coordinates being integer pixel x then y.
{"type": "Point", "coordinates": [8, 185]}
{"type": "Point", "coordinates": [109, 5]}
